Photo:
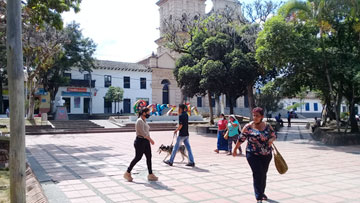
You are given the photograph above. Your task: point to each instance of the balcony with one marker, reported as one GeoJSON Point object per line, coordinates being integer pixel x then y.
{"type": "Point", "coordinates": [81, 83]}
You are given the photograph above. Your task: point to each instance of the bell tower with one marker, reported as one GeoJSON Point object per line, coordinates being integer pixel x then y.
{"type": "Point", "coordinates": [179, 9]}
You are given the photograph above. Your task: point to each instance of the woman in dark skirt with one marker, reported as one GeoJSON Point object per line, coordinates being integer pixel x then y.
{"type": "Point", "coordinates": [222, 144]}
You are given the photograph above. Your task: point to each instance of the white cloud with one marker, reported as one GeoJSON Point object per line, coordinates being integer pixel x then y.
{"type": "Point", "coordinates": [123, 30]}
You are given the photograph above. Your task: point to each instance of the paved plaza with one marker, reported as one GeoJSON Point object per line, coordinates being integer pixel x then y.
{"type": "Point", "coordinates": [89, 168]}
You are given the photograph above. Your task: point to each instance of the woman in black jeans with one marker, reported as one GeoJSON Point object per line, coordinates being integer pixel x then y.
{"type": "Point", "coordinates": [260, 136]}
{"type": "Point", "coordinates": [142, 145]}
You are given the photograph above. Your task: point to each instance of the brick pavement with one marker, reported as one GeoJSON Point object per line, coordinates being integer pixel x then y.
{"type": "Point", "coordinates": [89, 168]}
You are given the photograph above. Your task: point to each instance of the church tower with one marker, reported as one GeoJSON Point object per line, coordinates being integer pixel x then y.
{"type": "Point", "coordinates": [222, 5]}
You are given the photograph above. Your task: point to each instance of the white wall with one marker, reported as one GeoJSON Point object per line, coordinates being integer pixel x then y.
{"type": "Point", "coordinates": [117, 81]}
{"type": "Point", "coordinates": [288, 102]}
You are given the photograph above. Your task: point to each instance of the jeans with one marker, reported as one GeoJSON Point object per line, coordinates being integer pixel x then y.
{"type": "Point", "coordinates": [179, 140]}
{"type": "Point", "coordinates": [259, 165]}
{"type": "Point", "coordinates": [142, 146]}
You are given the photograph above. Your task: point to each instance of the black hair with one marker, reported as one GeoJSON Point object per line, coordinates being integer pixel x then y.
{"type": "Point", "coordinates": [222, 115]}
{"type": "Point", "coordinates": [144, 110]}
{"type": "Point", "coordinates": [182, 107]}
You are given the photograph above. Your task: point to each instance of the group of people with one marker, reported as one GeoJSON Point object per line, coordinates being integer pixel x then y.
{"type": "Point", "coordinates": [259, 135]}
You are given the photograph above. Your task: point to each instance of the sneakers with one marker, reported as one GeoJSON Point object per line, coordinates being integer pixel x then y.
{"type": "Point", "coordinates": [128, 177]}
{"type": "Point", "coordinates": [168, 162]}
{"type": "Point", "coordinates": [191, 164]}
{"type": "Point", "coordinates": [152, 177]}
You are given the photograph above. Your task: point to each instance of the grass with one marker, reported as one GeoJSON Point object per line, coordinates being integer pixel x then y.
{"type": "Point", "coordinates": [4, 186]}
{"type": "Point", "coordinates": [6, 121]}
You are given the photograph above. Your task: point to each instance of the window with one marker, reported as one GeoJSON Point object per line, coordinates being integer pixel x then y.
{"type": "Point", "coordinates": [126, 82]}
{"type": "Point", "coordinates": [67, 75]}
{"type": "Point", "coordinates": [87, 77]}
{"type": "Point", "coordinates": [316, 108]}
{"type": "Point", "coordinates": [107, 79]}
{"type": "Point", "coordinates": [213, 101]}
{"type": "Point", "coordinates": [228, 102]}
{"type": "Point", "coordinates": [307, 107]}
{"type": "Point", "coordinates": [344, 109]}
{"type": "Point", "coordinates": [199, 101]}
{"type": "Point", "coordinates": [142, 83]}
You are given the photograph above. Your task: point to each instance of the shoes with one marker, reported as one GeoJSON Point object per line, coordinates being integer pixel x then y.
{"type": "Point", "coordinates": [265, 197]}
{"type": "Point", "coordinates": [191, 164]}
{"type": "Point", "coordinates": [168, 162]}
{"type": "Point", "coordinates": [229, 153]}
{"type": "Point", "coordinates": [128, 177]}
{"type": "Point", "coordinates": [259, 201]}
{"type": "Point", "coordinates": [152, 177]}
{"type": "Point", "coordinates": [216, 150]}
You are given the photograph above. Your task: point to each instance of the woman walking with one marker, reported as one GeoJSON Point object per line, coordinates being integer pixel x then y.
{"type": "Point", "coordinates": [260, 136]}
{"type": "Point", "coordinates": [233, 128]}
{"type": "Point", "coordinates": [222, 144]}
{"type": "Point", "coordinates": [142, 145]}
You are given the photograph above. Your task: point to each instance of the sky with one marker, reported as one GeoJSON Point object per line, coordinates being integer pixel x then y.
{"type": "Point", "coordinates": [123, 30]}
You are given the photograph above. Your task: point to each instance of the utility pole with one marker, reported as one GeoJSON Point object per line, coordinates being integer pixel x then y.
{"type": "Point", "coordinates": [90, 105]}
{"type": "Point", "coordinates": [17, 110]}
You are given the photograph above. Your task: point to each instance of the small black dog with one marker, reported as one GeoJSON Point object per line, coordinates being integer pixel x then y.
{"type": "Point", "coordinates": [168, 149]}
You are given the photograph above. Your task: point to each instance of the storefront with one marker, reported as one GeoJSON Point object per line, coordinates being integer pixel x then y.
{"type": "Point", "coordinates": [77, 100]}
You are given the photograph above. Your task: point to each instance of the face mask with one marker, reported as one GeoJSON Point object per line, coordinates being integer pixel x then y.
{"type": "Point", "coordinates": [147, 116]}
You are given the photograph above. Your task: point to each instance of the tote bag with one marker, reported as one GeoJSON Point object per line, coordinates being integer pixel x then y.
{"type": "Point", "coordinates": [280, 163]}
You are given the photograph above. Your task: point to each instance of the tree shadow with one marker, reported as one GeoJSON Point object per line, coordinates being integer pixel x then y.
{"type": "Point", "coordinates": [197, 169]}
{"type": "Point", "coordinates": [317, 145]}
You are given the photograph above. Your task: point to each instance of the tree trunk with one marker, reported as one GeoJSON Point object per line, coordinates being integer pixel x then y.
{"type": "Point", "coordinates": [231, 104]}
{"type": "Point", "coordinates": [16, 100]}
{"type": "Point", "coordinates": [251, 98]}
{"type": "Point", "coordinates": [331, 92]}
{"type": "Point", "coordinates": [217, 106]}
{"type": "Point", "coordinates": [323, 115]}
{"type": "Point", "coordinates": [353, 122]}
{"type": "Point", "coordinates": [1, 95]}
{"type": "Point", "coordinates": [211, 109]}
{"type": "Point", "coordinates": [31, 107]}
{"type": "Point", "coordinates": [339, 100]}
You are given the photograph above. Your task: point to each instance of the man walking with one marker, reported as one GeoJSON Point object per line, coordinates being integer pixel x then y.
{"type": "Point", "coordinates": [183, 137]}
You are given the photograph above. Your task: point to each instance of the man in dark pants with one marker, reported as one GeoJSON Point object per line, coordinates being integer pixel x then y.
{"type": "Point", "coordinates": [183, 137]}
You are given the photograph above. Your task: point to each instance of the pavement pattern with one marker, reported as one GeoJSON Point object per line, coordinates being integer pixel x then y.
{"type": "Point", "coordinates": [89, 168]}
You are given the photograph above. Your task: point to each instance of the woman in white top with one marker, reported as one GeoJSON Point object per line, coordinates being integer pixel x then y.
{"type": "Point", "coordinates": [142, 145]}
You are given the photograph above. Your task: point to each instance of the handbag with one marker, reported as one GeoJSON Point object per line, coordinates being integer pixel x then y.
{"type": "Point", "coordinates": [280, 163]}
{"type": "Point", "coordinates": [226, 136]}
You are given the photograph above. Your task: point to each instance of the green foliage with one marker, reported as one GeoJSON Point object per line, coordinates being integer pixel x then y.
{"type": "Point", "coordinates": [49, 12]}
{"type": "Point", "coordinates": [315, 44]}
{"type": "Point", "coordinates": [114, 94]}
{"type": "Point", "coordinates": [269, 97]}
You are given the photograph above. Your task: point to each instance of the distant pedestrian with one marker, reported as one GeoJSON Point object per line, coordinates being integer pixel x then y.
{"type": "Point", "coordinates": [7, 112]}
{"type": "Point", "coordinates": [222, 144]}
{"type": "Point", "coordinates": [260, 136]}
{"type": "Point", "coordinates": [233, 128]}
{"type": "Point", "coordinates": [289, 118]}
{"type": "Point", "coordinates": [183, 137]}
{"type": "Point", "coordinates": [142, 145]}
{"type": "Point", "coordinates": [279, 120]}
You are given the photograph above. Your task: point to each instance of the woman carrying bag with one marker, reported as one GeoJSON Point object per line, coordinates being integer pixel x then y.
{"type": "Point", "coordinates": [222, 143]}
{"type": "Point", "coordinates": [260, 136]}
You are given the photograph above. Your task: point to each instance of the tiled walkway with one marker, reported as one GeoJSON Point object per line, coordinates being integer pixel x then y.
{"type": "Point", "coordinates": [89, 168]}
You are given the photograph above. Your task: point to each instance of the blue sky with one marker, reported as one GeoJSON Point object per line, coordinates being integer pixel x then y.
{"type": "Point", "coordinates": [123, 30]}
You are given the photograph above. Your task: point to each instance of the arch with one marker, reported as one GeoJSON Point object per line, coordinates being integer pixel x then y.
{"type": "Point", "coordinates": [165, 82]}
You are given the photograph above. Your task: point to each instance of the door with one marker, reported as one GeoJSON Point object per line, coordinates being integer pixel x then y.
{"type": "Point", "coordinates": [107, 106]}
{"type": "Point", "coordinates": [165, 94]}
{"type": "Point", "coordinates": [127, 106]}
{"type": "Point", "coordinates": [86, 105]}
{"type": "Point", "coordinates": [67, 104]}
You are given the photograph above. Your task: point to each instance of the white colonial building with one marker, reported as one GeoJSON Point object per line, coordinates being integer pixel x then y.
{"type": "Point", "coordinates": [80, 98]}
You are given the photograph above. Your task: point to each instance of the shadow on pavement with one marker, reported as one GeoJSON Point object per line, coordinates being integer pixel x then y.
{"type": "Point", "coordinates": [272, 201]}
{"type": "Point", "coordinates": [352, 149]}
{"type": "Point", "coordinates": [156, 185]}
{"type": "Point", "coordinates": [197, 169]}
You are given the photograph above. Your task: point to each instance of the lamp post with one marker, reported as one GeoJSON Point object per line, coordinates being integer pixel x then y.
{"type": "Point", "coordinates": [90, 105]}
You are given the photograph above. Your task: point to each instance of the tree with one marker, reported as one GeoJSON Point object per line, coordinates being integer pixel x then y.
{"type": "Point", "coordinates": [77, 52]}
{"type": "Point", "coordinates": [310, 46]}
{"type": "Point", "coordinates": [269, 98]}
{"type": "Point", "coordinates": [114, 94]}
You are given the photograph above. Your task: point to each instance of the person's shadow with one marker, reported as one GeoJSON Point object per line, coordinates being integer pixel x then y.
{"type": "Point", "coordinates": [157, 185]}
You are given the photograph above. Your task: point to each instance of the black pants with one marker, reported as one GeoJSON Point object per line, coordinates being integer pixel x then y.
{"type": "Point", "coordinates": [259, 165]}
{"type": "Point", "coordinates": [142, 146]}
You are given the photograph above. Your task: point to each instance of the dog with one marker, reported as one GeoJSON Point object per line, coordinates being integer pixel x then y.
{"type": "Point", "coordinates": [169, 148]}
